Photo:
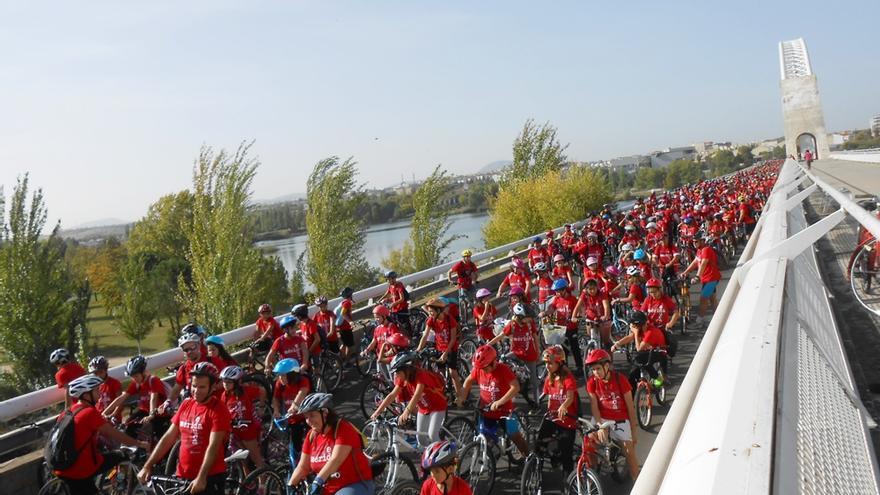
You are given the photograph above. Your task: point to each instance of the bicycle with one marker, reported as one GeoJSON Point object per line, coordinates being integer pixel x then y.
{"type": "Point", "coordinates": [531, 481]}
{"type": "Point", "coordinates": [645, 390]}
{"type": "Point", "coordinates": [119, 480]}
{"type": "Point", "coordinates": [684, 302]}
{"type": "Point", "coordinates": [429, 357]}
{"type": "Point", "coordinates": [607, 459]}
{"type": "Point", "coordinates": [478, 459]}
{"type": "Point", "coordinates": [374, 392]}
{"type": "Point", "coordinates": [327, 371]}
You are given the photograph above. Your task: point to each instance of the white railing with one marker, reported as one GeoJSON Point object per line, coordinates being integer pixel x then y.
{"type": "Point", "coordinates": [720, 433]}
{"type": "Point", "coordinates": [866, 155]}
{"type": "Point", "coordinates": [49, 396]}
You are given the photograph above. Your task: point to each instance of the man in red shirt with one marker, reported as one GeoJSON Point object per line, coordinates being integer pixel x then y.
{"type": "Point", "coordinates": [88, 424]}
{"type": "Point", "coordinates": [201, 424]}
{"type": "Point", "coordinates": [396, 294]}
{"type": "Point", "coordinates": [67, 371]}
{"type": "Point", "coordinates": [466, 270]}
{"type": "Point", "coordinates": [150, 392]}
{"type": "Point", "coordinates": [661, 309]}
{"type": "Point", "coordinates": [190, 345]}
{"type": "Point", "coordinates": [706, 264]}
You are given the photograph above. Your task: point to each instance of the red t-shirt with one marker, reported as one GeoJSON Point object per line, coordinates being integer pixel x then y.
{"type": "Point", "coordinates": [485, 318]}
{"type": "Point", "coordinates": [86, 422]}
{"type": "Point", "coordinates": [556, 391]}
{"type": "Point", "coordinates": [196, 422]}
{"type": "Point", "coordinates": [442, 328]}
{"type": "Point", "coordinates": [288, 346]}
{"type": "Point", "coordinates": [537, 255]}
{"type": "Point", "coordinates": [610, 395]}
{"type": "Point", "coordinates": [515, 279]}
{"type": "Point", "coordinates": [522, 340]}
{"type": "Point", "coordinates": [109, 390]}
{"type": "Point", "coordinates": [659, 310]}
{"type": "Point", "coordinates": [319, 448]}
{"type": "Point", "coordinates": [381, 335]}
{"type": "Point", "coordinates": [433, 398]}
{"type": "Point", "coordinates": [459, 487]}
{"type": "Point", "coordinates": [563, 272]}
{"type": "Point", "coordinates": [182, 377]}
{"type": "Point", "coordinates": [594, 305]}
{"type": "Point", "coordinates": [654, 337]}
{"type": "Point", "coordinates": [465, 272]}
{"type": "Point", "coordinates": [346, 310]}
{"type": "Point", "coordinates": [285, 394]}
{"type": "Point", "coordinates": [68, 373]}
{"type": "Point", "coordinates": [493, 386]}
{"type": "Point", "coordinates": [151, 384]}
{"type": "Point", "coordinates": [263, 325]}
{"type": "Point", "coordinates": [745, 213]}
{"type": "Point", "coordinates": [544, 291]}
{"type": "Point", "coordinates": [398, 302]}
{"type": "Point", "coordinates": [242, 409]}
{"type": "Point", "coordinates": [324, 319]}
{"type": "Point", "coordinates": [637, 294]}
{"type": "Point", "coordinates": [711, 273]}
{"type": "Point", "coordinates": [308, 329]}
{"type": "Point", "coordinates": [564, 305]}
{"type": "Point", "coordinates": [665, 254]}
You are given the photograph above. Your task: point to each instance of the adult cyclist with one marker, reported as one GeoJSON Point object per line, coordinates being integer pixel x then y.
{"type": "Point", "coordinates": [466, 272]}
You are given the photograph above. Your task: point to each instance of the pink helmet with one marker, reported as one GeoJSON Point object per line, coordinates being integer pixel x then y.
{"type": "Point", "coordinates": [516, 291]}
{"type": "Point", "coordinates": [592, 261]}
{"type": "Point", "coordinates": [612, 270]}
{"type": "Point", "coordinates": [484, 356]}
{"type": "Point", "coordinates": [484, 292]}
{"type": "Point", "coordinates": [558, 258]}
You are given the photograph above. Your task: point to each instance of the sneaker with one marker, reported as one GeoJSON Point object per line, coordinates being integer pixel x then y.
{"type": "Point", "coordinates": [657, 383]}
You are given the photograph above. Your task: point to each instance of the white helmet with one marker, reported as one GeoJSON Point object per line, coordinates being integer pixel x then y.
{"type": "Point", "coordinates": [187, 338]}
{"type": "Point", "coordinates": [519, 309]}
{"type": "Point", "coordinates": [83, 384]}
{"type": "Point", "coordinates": [651, 225]}
{"type": "Point", "coordinates": [233, 373]}
{"type": "Point", "coordinates": [626, 247]}
{"type": "Point", "coordinates": [59, 356]}
{"type": "Point", "coordinates": [633, 270]}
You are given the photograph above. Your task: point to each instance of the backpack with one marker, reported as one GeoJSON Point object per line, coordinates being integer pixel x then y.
{"type": "Point", "coordinates": [405, 293]}
{"type": "Point", "coordinates": [60, 452]}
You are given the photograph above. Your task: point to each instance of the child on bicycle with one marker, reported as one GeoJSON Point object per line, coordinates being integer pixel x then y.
{"type": "Point", "coordinates": [523, 343]}
{"type": "Point", "coordinates": [445, 331]}
{"type": "Point", "coordinates": [484, 315]}
{"type": "Point", "coordinates": [385, 328]}
{"type": "Point", "coordinates": [239, 400]}
{"type": "Point", "coordinates": [563, 406]}
{"type": "Point", "coordinates": [289, 390]}
{"type": "Point", "coordinates": [440, 460]}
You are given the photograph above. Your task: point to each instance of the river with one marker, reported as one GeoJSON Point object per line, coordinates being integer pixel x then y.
{"type": "Point", "coordinates": [383, 238]}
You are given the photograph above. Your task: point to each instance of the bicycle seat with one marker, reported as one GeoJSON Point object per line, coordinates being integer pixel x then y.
{"type": "Point", "coordinates": [238, 455]}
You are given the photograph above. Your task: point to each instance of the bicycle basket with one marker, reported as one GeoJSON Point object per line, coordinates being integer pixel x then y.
{"type": "Point", "coordinates": [554, 334]}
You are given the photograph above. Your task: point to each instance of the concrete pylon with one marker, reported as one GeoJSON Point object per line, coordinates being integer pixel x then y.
{"type": "Point", "coordinates": [801, 105]}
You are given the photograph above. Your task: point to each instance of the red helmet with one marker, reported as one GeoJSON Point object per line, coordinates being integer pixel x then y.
{"type": "Point", "coordinates": [554, 354]}
{"type": "Point", "coordinates": [264, 308]}
{"type": "Point", "coordinates": [597, 356]}
{"type": "Point", "coordinates": [484, 356]}
{"type": "Point", "coordinates": [653, 283]}
{"type": "Point", "coordinates": [397, 339]}
{"type": "Point", "coordinates": [381, 310]}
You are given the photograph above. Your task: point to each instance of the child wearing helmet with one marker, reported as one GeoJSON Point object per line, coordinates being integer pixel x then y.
{"type": "Point", "coordinates": [592, 270]}
{"type": "Point", "coordinates": [67, 371]}
{"type": "Point", "coordinates": [544, 283]}
{"type": "Point", "coordinates": [110, 389]}
{"type": "Point", "coordinates": [446, 336]}
{"type": "Point", "coordinates": [537, 254]}
{"type": "Point", "coordinates": [290, 345]}
{"type": "Point", "coordinates": [517, 277]}
{"type": "Point", "coordinates": [217, 352]}
{"type": "Point", "coordinates": [561, 309]}
{"type": "Point", "coordinates": [440, 460]}
{"type": "Point", "coordinates": [498, 386]}
{"type": "Point", "coordinates": [344, 321]}
{"type": "Point", "coordinates": [562, 269]}
{"type": "Point", "coordinates": [484, 315]}
{"type": "Point", "coordinates": [326, 321]}
{"type": "Point", "coordinates": [466, 273]}
{"type": "Point", "coordinates": [396, 294]}
{"type": "Point", "coordinates": [267, 329]}
{"type": "Point", "coordinates": [385, 328]}
{"type": "Point", "coordinates": [563, 403]}
{"type": "Point", "coordinates": [150, 392]}
{"type": "Point", "coordinates": [421, 392]}
{"type": "Point", "coordinates": [611, 398]}
{"type": "Point", "coordinates": [523, 343]}
{"type": "Point", "coordinates": [661, 309]}
{"type": "Point", "coordinates": [239, 400]}
{"type": "Point", "coordinates": [288, 391]}
{"type": "Point", "coordinates": [650, 343]}
{"type": "Point", "coordinates": [635, 292]}
{"type": "Point", "coordinates": [593, 305]}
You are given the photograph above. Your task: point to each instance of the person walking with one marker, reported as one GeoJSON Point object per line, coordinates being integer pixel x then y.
{"type": "Point", "coordinates": [808, 157]}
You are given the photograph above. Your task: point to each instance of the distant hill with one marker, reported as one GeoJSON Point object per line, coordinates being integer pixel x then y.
{"type": "Point", "coordinates": [495, 166]}
{"type": "Point", "coordinates": [96, 233]}
{"type": "Point", "coordinates": [282, 199]}
{"type": "Point", "coordinates": [104, 222]}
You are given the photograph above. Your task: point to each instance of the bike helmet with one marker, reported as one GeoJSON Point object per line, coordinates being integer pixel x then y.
{"type": "Point", "coordinates": [439, 454]}
{"type": "Point", "coordinates": [390, 274]}
{"type": "Point", "coordinates": [321, 300]}
{"type": "Point", "coordinates": [518, 263]}
{"type": "Point", "coordinates": [688, 219]}
{"type": "Point", "coordinates": [597, 356]}
{"type": "Point", "coordinates": [483, 293]}
{"type": "Point", "coordinates": [612, 270]}
{"type": "Point", "coordinates": [536, 240]}
{"type": "Point", "coordinates": [301, 311]}
{"type": "Point", "coordinates": [285, 366]}
{"type": "Point", "coordinates": [83, 384]}
{"type": "Point", "coordinates": [540, 267]}
{"type": "Point", "coordinates": [638, 318]}
{"type": "Point", "coordinates": [651, 225]}
{"type": "Point", "coordinates": [557, 258]}
{"type": "Point", "coordinates": [137, 364]}
{"type": "Point", "coordinates": [484, 356]}
{"type": "Point", "coordinates": [592, 261]}
{"type": "Point", "coordinates": [264, 308]}
{"type": "Point", "coordinates": [188, 338]}
{"type": "Point", "coordinates": [205, 369]}
{"type": "Point", "coordinates": [633, 271]}
{"type": "Point", "coordinates": [653, 283]}
{"type": "Point", "coordinates": [626, 247]}
{"type": "Point", "coordinates": [381, 310]}
{"type": "Point", "coordinates": [629, 227]}
{"type": "Point", "coordinates": [592, 234]}
{"type": "Point", "coordinates": [216, 340]}
{"type": "Point", "coordinates": [346, 292]}
{"type": "Point", "coordinates": [466, 253]}
{"type": "Point", "coordinates": [554, 354]}
{"type": "Point", "coordinates": [398, 339]}
{"type": "Point", "coordinates": [516, 291]}
{"type": "Point", "coordinates": [559, 284]}
{"type": "Point", "coordinates": [315, 402]}
{"type": "Point", "coordinates": [639, 254]}
{"type": "Point", "coordinates": [287, 321]}
{"type": "Point", "coordinates": [98, 363]}
{"type": "Point", "coordinates": [59, 356]}
{"type": "Point", "coordinates": [233, 373]}
{"type": "Point", "coordinates": [519, 309]}
{"type": "Point", "coordinates": [403, 360]}
{"type": "Point", "coordinates": [193, 328]}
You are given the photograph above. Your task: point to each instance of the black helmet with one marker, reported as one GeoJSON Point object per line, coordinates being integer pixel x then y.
{"type": "Point", "coordinates": [137, 364]}
{"type": "Point", "coordinates": [390, 274]}
{"type": "Point", "coordinates": [300, 311]}
{"type": "Point", "coordinates": [638, 317]}
{"type": "Point", "coordinates": [346, 292]}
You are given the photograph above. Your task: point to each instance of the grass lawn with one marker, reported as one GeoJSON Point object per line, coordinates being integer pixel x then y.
{"type": "Point", "coordinates": [111, 343]}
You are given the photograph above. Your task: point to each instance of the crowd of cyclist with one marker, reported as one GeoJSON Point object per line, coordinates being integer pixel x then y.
{"type": "Point", "coordinates": [628, 261]}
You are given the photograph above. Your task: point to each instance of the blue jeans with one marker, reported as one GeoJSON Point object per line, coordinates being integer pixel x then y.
{"type": "Point", "coordinates": [360, 488]}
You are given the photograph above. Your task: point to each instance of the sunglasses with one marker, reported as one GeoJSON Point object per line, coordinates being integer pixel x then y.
{"type": "Point", "coordinates": [189, 349]}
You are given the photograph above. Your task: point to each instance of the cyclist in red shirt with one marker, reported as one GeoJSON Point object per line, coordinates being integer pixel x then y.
{"type": "Point", "coordinates": [562, 308]}
{"type": "Point", "coordinates": [308, 330]}
{"type": "Point", "coordinates": [661, 309]}
{"type": "Point", "coordinates": [267, 329]}
{"type": "Point", "coordinates": [68, 370]}
{"type": "Point", "coordinates": [239, 401]}
{"type": "Point", "coordinates": [290, 345]}
{"type": "Point", "coordinates": [594, 305]}
{"type": "Point", "coordinates": [466, 271]}
{"type": "Point", "coordinates": [110, 389]}
{"type": "Point", "coordinates": [544, 283]}
{"type": "Point", "coordinates": [150, 391]}
{"type": "Point", "coordinates": [650, 348]}
{"type": "Point", "coordinates": [440, 460]}
{"type": "Point", "coordinates": [385, 328]}
{"type": "Point", "coordinates": [288, 391]}
{"type": "Point", "coordinates": [538, 253]}
{"type": "Point", "coordinates": [516, 278]}
{"type": "Point", "coordinates": [484, 315]}
{"type": "Point", "coordinates": [191, 345]}
{"type": "Point", "coordinates": [635, 294]}
{"type": "Point", "coordinates": [201, 424]}
{"type": "Point", "coordinates": [445, 331]}
{"type": "Point", "coordinates": [344, 320]}
{"type": "Point", "coordinates": [561, 269]}
{"type": "Point", "coordinates": [422, 392]}
{"type": "Point", "coordinates": [665, 258]}
{"type": "Point", "coordinates": [706, 264]}
{"type": "Point", "coordinates": [611, 399]}
{"type": "Point", "coordinates": [88, 425]}
{"type": "Point", "coordinates": [326, 321]}
{"type": "Point", "coordinates": [333, 450]}
{"type": "Point", "coordinates": [498, 386]}
{"type": "Point", "coordinates": [217, 352]}
{"type": "Point", "coordinates": [563, 404]}
{"type": "Point", "coordinates": [523, 344]}
{"type": "Point", "coordinates": [396, 295]}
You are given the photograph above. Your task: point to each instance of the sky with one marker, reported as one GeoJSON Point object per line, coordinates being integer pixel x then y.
{"type": "Point", "coordinates": [106, 104]}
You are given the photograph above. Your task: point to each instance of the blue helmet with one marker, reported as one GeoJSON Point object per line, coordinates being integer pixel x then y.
{"type": "Point", "coordinates": [639, 254]}
{"type": "Point", "coordinates": [286, 366]}
{"type": "Point", "coordinates": [559, 284]}
{"type": "Point", "coordinates": [536, 239]}
{"type": "Point", "coordinates": [287, 320]}
{"type": "Point", "coordinates": [215, 339]}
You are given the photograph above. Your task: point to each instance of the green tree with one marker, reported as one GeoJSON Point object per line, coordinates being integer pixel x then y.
{"type": "Point", "coordinates": [536, 151]}
{"type": "Point", "coordinates": [139, 304]}
{"type": "Point", "coordinates": [335, 245]}
{"type": "Point", "coordinates": [431, 221]}
{"type": "Point", "coordinates": [649, 178]}
{"type": "Point", "coordinates": [36, 303]}
{"type": "Point", "coordinates": [681, 172]}
{"type": "Point", "coordinates": [744, 156]}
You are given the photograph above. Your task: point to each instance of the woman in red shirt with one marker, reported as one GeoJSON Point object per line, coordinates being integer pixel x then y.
{"type": "Point", "coordinates": [484, 315]}
{"type": "Point", "coordinates": [444, 329]}
{"type": "Point", "coordinates": [218, 354]}
{"type": "Point", "coordinates": [523, 344]}
{"type": "Point", "coordinates": [239, 401]}
{"type": "Point", "coordinates": [440, 460]}
{"type": "Point", "coordinates": [267, 329]}
{"type": "Point", "coordinates": [150, 392]}
{"type": "Point", "coordinates": [385, 328]}
{"type": "Point", "coordinates": [333, 450]}
{"type": "Point", "coordinates": [563, 406]}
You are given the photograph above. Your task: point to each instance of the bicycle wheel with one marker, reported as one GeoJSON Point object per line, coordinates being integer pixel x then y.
{"type": "Point", "coordinates": [588, 484]}
{"type": "Point", "coordinates": [263, 481]}
{"type": "Point", "coordinates": [365, 365]}
{"type": "Point", "coordinates": [171, 459]}
{"type": "Point", "coordinates": [461, 428]}
{"type": "Point", "coordinates": [54, 487]}
{"type": "Point", "coordinates": [372, 394]}
{"type": "Point", "coordinates": [396, 469]}
{"type": "Point", "coordinates": [643, 406]}
{"type": "Point", "coordinates": [466, 350]}
{"type": "Point", "coordinates": [378, 438]}
{"type": "Point", "coordinates": [331, 370]}
{"type": "Point", "coordinates": [530, 481]}
{"type": "Point", "coordinates": [259, 380]}
{"type": "Point", "coordinates": [660, 393]}
{"type": "Point", "coordinates": [477, 467]}
{"type": "Point", "coordinates": [407, 488]}
{"type": "Point", "coordinates": [121, 480]}
{"type": "Point", "coordinates": [234, 478]}
{"type": "Point", "coordinates": [417, 319]}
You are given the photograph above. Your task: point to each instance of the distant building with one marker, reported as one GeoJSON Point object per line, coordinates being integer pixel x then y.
{"type": "Point", "coordinates": [660, 159]}
{"type": "Point", "coordinates": [836, 139]}
{"type": "Point", "coordinates": [767, 146]}
{"type": "Point", "coordinates": [875, 126]}
{"type": "Point", "coordinates": [706, 148]}
{"type": "Point", "coordinates": [628, 163]}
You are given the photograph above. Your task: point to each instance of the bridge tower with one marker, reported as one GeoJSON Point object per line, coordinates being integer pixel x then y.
{"type": "Point", "coordinates": [801, 106]}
